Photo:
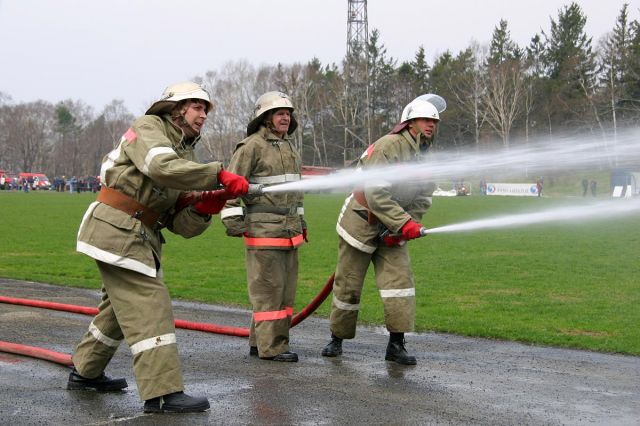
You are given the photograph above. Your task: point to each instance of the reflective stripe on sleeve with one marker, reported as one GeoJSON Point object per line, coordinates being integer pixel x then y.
{"type": "Point", "coordinates": [231, 211]}
{"type": "Point", "coordinates": [153, 342]}
{"type": "Point", "coordinates": [270, 315]}
{"type": "Point", "coordinates": [269, 180]}
{"type": "Point", "coordinates": [274, 242]}
{"type": "Point", "coordinates": [102, 338]}
{"type": "Point", "coordinates": [112, 156]}
{"type": "Point", "coordinates": [153, 153]}
{"type": "Point", "coordinates": [300, 210]}
{"type": "Point", "coordinates": [345, 306]}
{"type": "Point", "coordinates": [400, 292]}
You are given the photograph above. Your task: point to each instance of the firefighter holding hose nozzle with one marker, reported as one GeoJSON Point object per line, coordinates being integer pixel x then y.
{"type": "Point", "coordinates": [146, 187]}
{"type": "Point", "coordinates": [373, 227]}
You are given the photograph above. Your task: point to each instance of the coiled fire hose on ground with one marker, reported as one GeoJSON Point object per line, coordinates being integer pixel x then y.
{"type": "Point", "coordinates": [65, 359]}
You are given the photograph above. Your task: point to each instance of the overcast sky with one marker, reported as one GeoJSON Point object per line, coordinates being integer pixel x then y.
{"type": "Point", "coordinates": [98, 51]}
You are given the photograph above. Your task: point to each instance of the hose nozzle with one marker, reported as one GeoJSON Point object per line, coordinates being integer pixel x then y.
{"type": "Point", "coordinates": [255, 190]}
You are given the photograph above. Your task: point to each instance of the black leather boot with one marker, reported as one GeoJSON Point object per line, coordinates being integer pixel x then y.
{"type": "Point", "coordinates": [253, 351]}
{"type": "Point", "coordinates": [334, 348]}
{"type": "Point", "coordinates": [101, 383]}
{"type": "Point", "coordinates": [177, 402]}
{"type": "Point", "coordinates": [397, 352]}
{"type": "Point", "coordinates": [287, 356]}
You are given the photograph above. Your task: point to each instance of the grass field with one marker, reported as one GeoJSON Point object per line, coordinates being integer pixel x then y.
{"type": "Point", "coordinates": [568, 285]}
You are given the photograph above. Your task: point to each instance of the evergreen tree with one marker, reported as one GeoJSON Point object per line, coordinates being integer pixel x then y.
{"type": "Point", "coordinates": [615, 67]}
{"type": "Point", "coordinates": [571, 67]}
{"type": "Point", "coordinates": [632, 76]}
{"type": "Point", "coordinates": [502, 48]}
{"type": "Point", "coordinates": [421, 71]}
{"type": "Point", "coordinates": [382, 70]}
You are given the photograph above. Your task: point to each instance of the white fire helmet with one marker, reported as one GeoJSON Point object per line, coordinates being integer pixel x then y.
{"type": "Point", "coordinates": [437, 101]}
{"type": "Point", "coordinates": [178, 92]}
{"type": "Point", "coordinates": [419, 108]}
{"type": "Point", "coordinates": [267, 102]}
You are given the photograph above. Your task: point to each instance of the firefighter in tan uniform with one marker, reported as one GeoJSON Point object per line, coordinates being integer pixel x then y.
{"type": "Point", "coordinates": [146, 183]}
{"type": "Point", "coordinates": [272, 224]}
{"type": "Point", "coordinates": [374, 225]}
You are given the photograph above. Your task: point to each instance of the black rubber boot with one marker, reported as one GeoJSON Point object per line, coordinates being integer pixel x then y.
{"type": "Point", "coordinates": [287, 356]}
{"type": "Point", "coordinates": [177, 402]}
{"type": "Point", "coordinates": [253, 351]}
{"type": "Point", "coordinates": [334, 348]}
{"type": "Point", "coordinates": [101, 383]}
{"type": "Point", "coordinates": [397, 352]}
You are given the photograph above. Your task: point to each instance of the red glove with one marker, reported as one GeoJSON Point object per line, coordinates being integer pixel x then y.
{"type": "Point", "coordinates": [211, 202]}
{"type": "Point", "coordinates": [234, 184]}
{"type": "Point", "coordinates": [304, 235]}
{"type": "Point", "coordinates": [392, 240]}
{"type": "Point", "coordinates": [411, 230]}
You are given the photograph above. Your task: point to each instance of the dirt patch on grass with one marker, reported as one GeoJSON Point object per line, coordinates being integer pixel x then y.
{"type": "Point", "coordinates": [577, 332]}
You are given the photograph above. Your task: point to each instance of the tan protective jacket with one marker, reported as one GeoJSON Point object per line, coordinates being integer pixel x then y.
{"type": "Point", "coordinates": [274, 220]}
{"type": "Point", "coordinates": [393, 205]}
{"type": "Point", "coordinates": [153, 164]}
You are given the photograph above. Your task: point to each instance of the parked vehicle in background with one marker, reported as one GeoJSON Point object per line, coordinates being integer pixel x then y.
{"type": "Point", "coordinates": [6, 179]}
{"type": "Point", "coordinates": [38, 180]}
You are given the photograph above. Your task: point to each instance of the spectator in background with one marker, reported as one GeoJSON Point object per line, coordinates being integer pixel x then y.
{"type": "Point", "coordinates": [585, 186]}
{"type": "Point", "coordinates": [73, 184]}
{"type": "Point", "coordinates": [594, 184]}
{"type": "Point", "coordinates": [483, 187]}
{"type": "Point", "coordinates": [539, 184]}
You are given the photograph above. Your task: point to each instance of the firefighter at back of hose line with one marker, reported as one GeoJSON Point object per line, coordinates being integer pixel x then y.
{"type": "Point", "coordinates": [373, 227]}
{"type": "Point", "coordinates": [272, 224]}
{"type": "Point", "coordinates": [147, 183]}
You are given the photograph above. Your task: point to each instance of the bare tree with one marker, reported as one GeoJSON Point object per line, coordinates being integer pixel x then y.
{"type": "Point", "coordinates": [117, 119]}
{"type": "Point", "coordinates": [468, 86]}
{"type": "Point", "coordinates": [233, 92]}
{"type": "Point", "coordinates": [27, 135]}
{"type": "Point", "coordinates": [505, 81]}
{"type": "Point", "coordinates": [503, 99]}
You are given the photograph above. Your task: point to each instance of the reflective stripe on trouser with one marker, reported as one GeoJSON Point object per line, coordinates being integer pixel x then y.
{"type": "Point", "coordinates": [394, 280]}
{"type": "Point", "coordinates": [272, 276]}
{"type": "Point", "coordinates": [138, 308]}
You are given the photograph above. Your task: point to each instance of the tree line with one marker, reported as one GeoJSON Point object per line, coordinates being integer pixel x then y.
{"type": "Point", "coordinates": [498, 94]}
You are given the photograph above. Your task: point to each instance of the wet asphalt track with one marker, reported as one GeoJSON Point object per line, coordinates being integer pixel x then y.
{"type": "Point", "coordinates": [457, 380]}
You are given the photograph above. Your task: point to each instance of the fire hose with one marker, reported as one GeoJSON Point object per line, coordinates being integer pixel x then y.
{"type": "Point", "coordinates": [65, 359]}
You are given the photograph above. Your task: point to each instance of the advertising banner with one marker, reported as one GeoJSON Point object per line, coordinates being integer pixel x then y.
{"type": "Point", "coordinates": [517, 189]}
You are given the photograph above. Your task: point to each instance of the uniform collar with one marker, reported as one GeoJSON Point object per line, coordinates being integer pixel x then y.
{"type": "Point", "coordinates": [270, 136]}
{"type": "Point", "coordinates": [407, 135]}
{"type": "Point", "coordinates": [177, 134]}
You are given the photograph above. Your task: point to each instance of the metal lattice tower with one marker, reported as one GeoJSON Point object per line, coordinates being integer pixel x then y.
{"type": "Point", "coordinates": [357, 25]}
{"type": "Point", "coordinates": [357, 132]}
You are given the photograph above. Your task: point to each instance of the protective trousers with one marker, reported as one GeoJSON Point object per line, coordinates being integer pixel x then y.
{"type": "Point", "coordinates": [272, 277]}
{"type": "Point", "coordinates": [137, 308]}
{"type": "Point", "coordinates": [394, 280]}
